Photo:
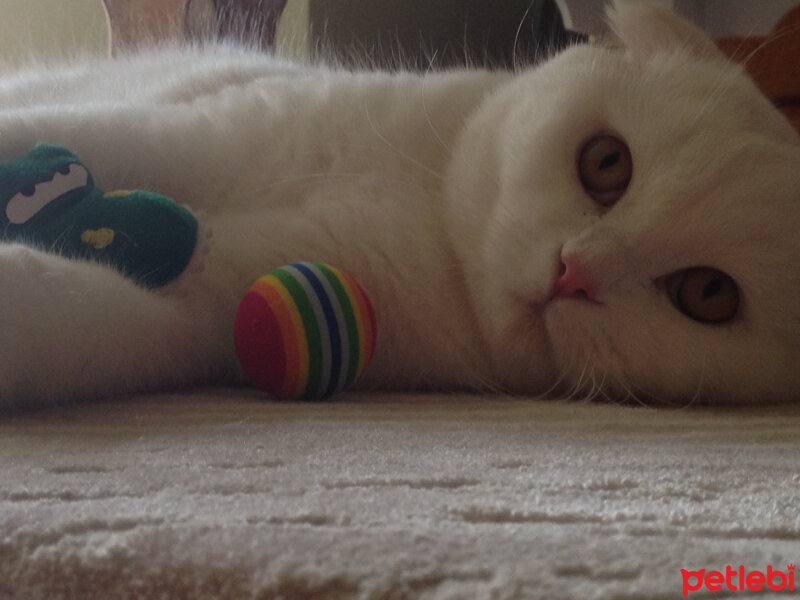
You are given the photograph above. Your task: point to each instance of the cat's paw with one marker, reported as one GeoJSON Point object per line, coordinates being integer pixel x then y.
{"type": "Point", "coordinates": [32, 284]}
{"type": "Point", "coordinates": [69, 328]}
{"type": "Point", "coordinates": [74, 330]}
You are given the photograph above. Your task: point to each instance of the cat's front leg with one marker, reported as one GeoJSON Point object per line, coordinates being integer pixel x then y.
{"type": "Point", "coordinates": [74, 330]}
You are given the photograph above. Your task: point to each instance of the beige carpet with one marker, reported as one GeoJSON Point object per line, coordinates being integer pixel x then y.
{"type": "Point", "coordinates": [222, 495]}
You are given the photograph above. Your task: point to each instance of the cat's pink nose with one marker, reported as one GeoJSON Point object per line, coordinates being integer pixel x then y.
{"type": "Point", "coordinates": [573, 281]}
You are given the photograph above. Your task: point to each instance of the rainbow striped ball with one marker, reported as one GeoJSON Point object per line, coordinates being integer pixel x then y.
{"type": "Point", "coordinates": [305, 330]}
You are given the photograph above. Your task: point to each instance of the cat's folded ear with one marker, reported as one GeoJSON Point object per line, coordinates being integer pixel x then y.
{"type": "Point", "coordinates": [646, 29]}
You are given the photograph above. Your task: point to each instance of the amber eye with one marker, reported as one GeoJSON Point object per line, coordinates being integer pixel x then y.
{"type": "Point", "coordinates": [605, 167]}
{"type": "Point", "coordinates": [704, 294]}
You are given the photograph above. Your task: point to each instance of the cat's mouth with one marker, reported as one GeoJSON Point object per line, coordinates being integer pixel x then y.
{"type": "Point", "coordinates": [578, 295]}
{"type": "Point", "coordinates": [31, 200]}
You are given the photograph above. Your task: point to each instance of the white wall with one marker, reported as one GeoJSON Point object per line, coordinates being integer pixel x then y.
{"type": "Point", "coordinates": [42, 29]}
{"type": "Point", "coordinates": [50, 29]}
{"type": "Point", "coordinates": [293, 38]}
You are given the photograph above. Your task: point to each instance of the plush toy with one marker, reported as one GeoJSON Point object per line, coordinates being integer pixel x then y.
{"type": "Point", "coordinates": [305, 331]}
{"type": "Point", "coordinates": [48, 199]}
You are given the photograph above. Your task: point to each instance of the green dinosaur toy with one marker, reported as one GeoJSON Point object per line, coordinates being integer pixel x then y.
{"type": "Point", "coordinates": [48, 199]}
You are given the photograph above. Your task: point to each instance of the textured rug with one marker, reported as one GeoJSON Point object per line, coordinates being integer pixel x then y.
{"type": "Point", "coordinates": [221, 495]}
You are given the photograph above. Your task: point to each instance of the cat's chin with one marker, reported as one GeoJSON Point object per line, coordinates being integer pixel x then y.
{"type": "Point", "coordinates": [519, 345]}
{"type": "Point", "coordinates": [543, 349]}
{"type": "Point", "coordinates": [593, 362]}
{"type": "Point", "coordinates": [588, 364]}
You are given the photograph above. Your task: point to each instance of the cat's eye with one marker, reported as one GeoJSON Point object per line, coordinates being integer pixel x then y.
{"type": "Point", "coordinates": [704, 294]}
{"type": "Point", "coordinates": [605, 168]}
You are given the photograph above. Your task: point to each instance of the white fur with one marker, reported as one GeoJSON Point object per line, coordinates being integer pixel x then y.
{"type": "Point", "coordinates": [448, 196]}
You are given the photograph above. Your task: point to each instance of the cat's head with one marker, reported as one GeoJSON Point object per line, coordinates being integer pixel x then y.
{"type": "Point", "coordinates": [663, 191]}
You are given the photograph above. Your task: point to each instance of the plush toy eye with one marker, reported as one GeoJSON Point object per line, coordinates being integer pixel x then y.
{"type": "Point", "coordinates": [704, 294]}
{"type": "Point", "coordinates": [605, 167]}
{"type": "Point", "coordinates": [28, 191]}
{"type": "Point", "coordinates": [64, 169]}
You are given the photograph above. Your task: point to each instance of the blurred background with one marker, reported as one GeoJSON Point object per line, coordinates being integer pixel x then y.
{"type": "Point", "coordinates": [416, 30]}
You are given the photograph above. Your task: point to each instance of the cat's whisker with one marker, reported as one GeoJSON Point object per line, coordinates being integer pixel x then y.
{"type": "Point", "coordinates": [579, 387]}
{"type": "Point", "coordinates": [399, 152]}
{"type": "Point", "coordinates": [632, 396]}
{"type": "Point", "coordinates": [555, 386]}
{"type": "Point", "coordinates": [586, 391]}
{"type": "Point", "coordinates": [515, 64]}
{"type": "Point", "coordinates": [444, 145]}
{"type": "Point", "coordinates": [595, 388]}
{"type": "Point", "coordinates": [701, 380]}
{"type": "Point", "coordinates": [728, 76]}
{"type": "Point", "coordinates": [601, 388]}
{"type": "Point", "coordinates": [770, 39]}
{"type": "Point", "coordinates": [325, 177]}
{"type": "Point", "coordinates": [729, 72]}
{"type": "Point", "coordinates": [431, 62]}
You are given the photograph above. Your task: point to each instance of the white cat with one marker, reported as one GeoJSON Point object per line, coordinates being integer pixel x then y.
{"type": "Point", "coordinates": [617, 222]}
